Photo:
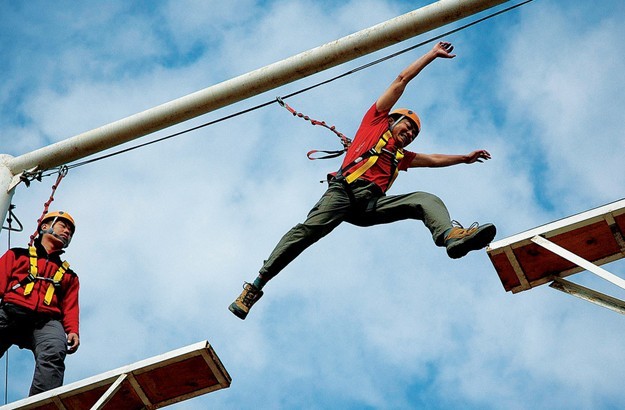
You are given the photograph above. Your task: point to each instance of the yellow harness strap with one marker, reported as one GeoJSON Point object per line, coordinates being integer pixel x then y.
{"type": "Point", "coordinates": [371, 160]}
{"type": "Point", "coordinates": [32, 251]}
{"type": "Point", "coordinates": [398, 156]}
{"type": "Point", "coordinates": [56, 279]}
{"type": "Point", "coordinates": [33, 273]}
{"type": "Point", "coordinates": [379, 147]}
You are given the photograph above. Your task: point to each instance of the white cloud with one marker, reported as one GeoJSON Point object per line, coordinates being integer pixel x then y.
{"type": "Point", "coordinates": [563, 80]}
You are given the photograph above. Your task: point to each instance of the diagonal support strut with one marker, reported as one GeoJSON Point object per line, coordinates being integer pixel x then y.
{"type": "Point", "coordinates": [579, 291]}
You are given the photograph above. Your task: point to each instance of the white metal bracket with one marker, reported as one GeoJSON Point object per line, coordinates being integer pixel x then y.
{"type": "Point", "coordinates": [108, 394]}
{"type": "Point", "coordinates": [580, 291]}
{"type": "Point", "coordinates": [589, 295]}
{"type": "Point", "coordinates": [15, 181]}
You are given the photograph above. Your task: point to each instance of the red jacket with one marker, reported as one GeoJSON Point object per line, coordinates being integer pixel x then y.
{"type": "Point", "coordinates": [14, 266]}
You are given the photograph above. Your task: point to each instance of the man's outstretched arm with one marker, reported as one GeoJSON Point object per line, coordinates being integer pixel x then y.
{"type": "Point", "coordinates": [446, 160]}
{"type": "Point", "coordinates": [391, 95]}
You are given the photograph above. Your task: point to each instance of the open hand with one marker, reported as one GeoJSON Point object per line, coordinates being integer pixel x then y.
{"type": "Point", "coordinates": [443, 49]}
{"type": "Point", "coordinates": [479, 155]}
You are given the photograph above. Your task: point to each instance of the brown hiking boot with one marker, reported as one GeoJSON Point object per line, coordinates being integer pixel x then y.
{"type": "Point", "coordinates": [250, 295]}
{"type": "Point", "coordinates": [460, 241]}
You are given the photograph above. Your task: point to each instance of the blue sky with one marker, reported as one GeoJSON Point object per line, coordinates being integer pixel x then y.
{"type": "Point", "coordinates": [366, 318]}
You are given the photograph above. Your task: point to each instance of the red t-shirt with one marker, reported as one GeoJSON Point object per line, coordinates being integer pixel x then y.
{"type": "Point", "coordinates": [373, 126]}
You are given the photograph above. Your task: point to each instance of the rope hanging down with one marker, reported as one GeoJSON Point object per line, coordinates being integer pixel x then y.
{"type": "Point", "coordinates": [62, 173]}
{"type": "Point", "coordinates": [329, 154]}
{"type": "Point", "coordinates": [6, 355]}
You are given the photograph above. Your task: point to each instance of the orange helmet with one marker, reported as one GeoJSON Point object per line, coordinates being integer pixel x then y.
{"type": "Point", "coordinates": [406, 113]}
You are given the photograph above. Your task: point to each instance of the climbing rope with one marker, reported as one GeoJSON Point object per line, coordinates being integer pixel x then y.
{"type": "Point", "coordinates": [62, 173]}
{"type": "Point", "coordinates": [6, 354]}
{"type": "Point", "coordinates": [329, 154]}
{"type": "Point", "coordinates": [6, 377]}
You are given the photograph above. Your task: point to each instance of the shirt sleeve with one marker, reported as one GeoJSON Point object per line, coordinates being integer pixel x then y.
{"type": "Point", "coordinates": [69, 306]}
{"type": "Point", "coordinates": [404, 164]}
{"type": "Point", "coordinates": [6, 263]}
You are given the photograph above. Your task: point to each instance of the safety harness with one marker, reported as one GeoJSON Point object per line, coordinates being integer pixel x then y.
{"type": "Point", "coordinates": [33, 276]}
{"type": "Point", "coordinates": [33, 271]}
{"type": "Point", "coordinates": [370, 157]}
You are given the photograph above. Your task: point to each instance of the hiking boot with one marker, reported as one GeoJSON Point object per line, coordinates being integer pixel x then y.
{"type": "Point", "coordinates": [460, 241]}
{"type": "Point", "coordinates": [250, 295]}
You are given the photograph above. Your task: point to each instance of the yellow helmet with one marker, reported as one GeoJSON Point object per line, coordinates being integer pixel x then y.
{"type": "Point", "coordinates": [406, 113]}
{"type": "Point", "coordinates": [56, 215]}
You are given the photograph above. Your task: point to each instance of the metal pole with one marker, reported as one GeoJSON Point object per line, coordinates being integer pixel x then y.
{"type": "Point", "coordinates": [5, 180]}
{"type": "Point", "coordinates": [253, 83]}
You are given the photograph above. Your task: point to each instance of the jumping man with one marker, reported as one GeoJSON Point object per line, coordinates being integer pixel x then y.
{"type": "Point", "coordinates": [356, 193]}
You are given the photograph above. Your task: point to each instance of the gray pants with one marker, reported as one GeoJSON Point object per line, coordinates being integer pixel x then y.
{"type": "Point", "coordinates": [45, 337]}
{"type": "Point", "coordinates": [365, 205]}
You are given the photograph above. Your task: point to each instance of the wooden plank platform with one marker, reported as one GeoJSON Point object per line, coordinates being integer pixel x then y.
{"type": "Point", "coordinates": [595, 235]}
{"type": "Point", "coordinates": [149, 384]}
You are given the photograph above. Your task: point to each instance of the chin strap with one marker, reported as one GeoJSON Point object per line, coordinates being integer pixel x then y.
{"type": "Point", "coordinates": [50, 231]}
{"type": "Point", "coordinates": [396, 122]}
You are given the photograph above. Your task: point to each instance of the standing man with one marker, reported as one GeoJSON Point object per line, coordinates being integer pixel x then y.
{"type": "Point", "coordinates": [356, 193]}
{"type": "Point", "coordinates": [39, 301]}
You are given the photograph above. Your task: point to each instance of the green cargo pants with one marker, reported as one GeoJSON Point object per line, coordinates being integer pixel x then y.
{"type": "Point", "coordinates": [363, 204]}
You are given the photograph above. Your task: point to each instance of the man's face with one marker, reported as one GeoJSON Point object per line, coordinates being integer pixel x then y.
{"type": "Point", "coordinates": [62, 230]}
{"type": "Point", "coordinates": [404, 132]}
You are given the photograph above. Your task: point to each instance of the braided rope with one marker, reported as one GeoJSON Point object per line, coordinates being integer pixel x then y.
{"type": "Point", "coordinates": [46, 206]}
{"type": "Point", "coordinates": [345, 141]}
